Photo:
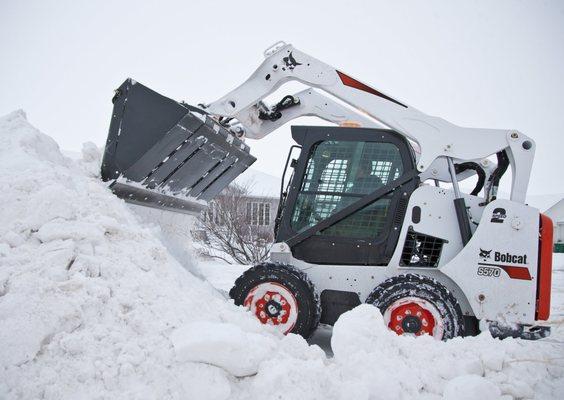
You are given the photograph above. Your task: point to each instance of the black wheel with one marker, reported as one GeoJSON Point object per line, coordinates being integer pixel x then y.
{"type": "Point", "coordinates": [417, 305]}
{"type": "Point", "coordinates": [280, 295]}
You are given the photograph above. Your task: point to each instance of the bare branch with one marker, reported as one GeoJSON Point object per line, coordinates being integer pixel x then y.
{"type": "Point", "coordinates": [227, 230]}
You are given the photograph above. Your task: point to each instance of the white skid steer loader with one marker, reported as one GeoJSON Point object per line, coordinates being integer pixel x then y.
{"type": "Point", "coordinates": [362, 217]}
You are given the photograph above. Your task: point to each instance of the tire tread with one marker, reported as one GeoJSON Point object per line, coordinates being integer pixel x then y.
{"type": "Point", "coordinates": [277, 271]}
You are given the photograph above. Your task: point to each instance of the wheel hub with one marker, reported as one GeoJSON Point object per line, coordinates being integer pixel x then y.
{"type": "Point", "coordinates": [411, 324]}
{"type": "Point", "coordinates": [414, 316]}
{"type": "Point", "coordinates": [273, 308]}
{"type": "Point", "coordinates": [273, 304]}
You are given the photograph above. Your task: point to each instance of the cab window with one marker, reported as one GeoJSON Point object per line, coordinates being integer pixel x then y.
{"type": "Point", "coordinates": [338, 173]}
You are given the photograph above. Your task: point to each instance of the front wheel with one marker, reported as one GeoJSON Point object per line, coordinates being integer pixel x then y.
{"type": "Point", "coordinates": [279, 295]}
{"type": "Point", "coordinates": [418, 305]}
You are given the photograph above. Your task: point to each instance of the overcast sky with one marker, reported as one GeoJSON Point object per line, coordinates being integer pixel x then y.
{"type": "Point", "coordinates": [475, 63]}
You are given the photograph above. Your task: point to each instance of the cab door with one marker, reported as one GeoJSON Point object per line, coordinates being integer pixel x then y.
{"type": "Point", "coordinates": [339, 166]}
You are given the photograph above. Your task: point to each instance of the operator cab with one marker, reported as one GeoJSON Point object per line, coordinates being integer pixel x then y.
{"type": "Point", "coordinates": [342, 168]}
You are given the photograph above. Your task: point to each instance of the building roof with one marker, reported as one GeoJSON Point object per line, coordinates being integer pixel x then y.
{"type": "Point", "coordinates": [544, 201]}
{"type": "Point", "coordinates": [260, 183]}
{"type": "Point", "coordinates": [556, 211]}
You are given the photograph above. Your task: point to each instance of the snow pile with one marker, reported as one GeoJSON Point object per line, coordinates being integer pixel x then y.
{"type": "Point", "coordinates": [371, 362]}
{"type": "Point", "coordinates": [226, 346]}
{"type": "Point", "coordinates": [93, 306]}
{"type": "Point", "coordinates": [405, 367]}
{"type": "Point", "coordinates": [88, 297]}
{"type": "Point", "coordinates": [471, 387]}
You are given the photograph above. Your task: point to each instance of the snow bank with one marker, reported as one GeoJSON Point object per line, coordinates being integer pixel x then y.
{"type": "Point", "coordinates": [224, 345]}
{"type": "Point", "coordinates": [89, 297]}
{"type": "Point", "coordinates": [471, 368]}
{"type": "Point", "coordinates": [471, 387]}
{"type": "Point", "coordinates": [93, 306]}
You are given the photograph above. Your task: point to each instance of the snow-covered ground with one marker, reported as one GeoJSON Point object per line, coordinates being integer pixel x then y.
{"type": "Point", "coordinates": [94, 306]}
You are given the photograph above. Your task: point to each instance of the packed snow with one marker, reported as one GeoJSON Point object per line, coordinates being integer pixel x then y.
{"type": "Point", "coordinates": [94, 305]}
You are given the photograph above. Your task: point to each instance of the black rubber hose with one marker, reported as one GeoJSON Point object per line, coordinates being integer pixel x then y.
{"type": "Point", "coordinates": [479, 171]}
{"type": "Point", "coordinates": [495, 177]}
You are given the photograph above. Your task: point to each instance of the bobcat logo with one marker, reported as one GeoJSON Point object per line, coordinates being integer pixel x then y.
{"type": "Point", "coordinates": [485, 253]}
{"type": "Point", "coordinates": [291, 62]}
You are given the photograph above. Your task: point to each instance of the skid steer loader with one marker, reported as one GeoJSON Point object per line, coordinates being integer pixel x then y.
{"type": "Point", "coordinates": [367, 214]}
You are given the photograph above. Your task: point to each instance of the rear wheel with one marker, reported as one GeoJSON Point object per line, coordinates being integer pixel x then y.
{"type": "Point", "coordinates": [418, 305]}
{"type": "Point", "coordinates": [279, 295]}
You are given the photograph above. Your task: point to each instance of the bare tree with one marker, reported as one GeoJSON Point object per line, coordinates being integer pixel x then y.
{"type": "Point", "coordinates": [227, 231]}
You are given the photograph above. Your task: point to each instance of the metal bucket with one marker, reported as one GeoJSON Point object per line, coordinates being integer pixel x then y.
{"type": "Point", "coordinates": [168, 155]}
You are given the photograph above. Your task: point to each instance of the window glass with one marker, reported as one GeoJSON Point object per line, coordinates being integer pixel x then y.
{"type": "Point", "coordinates": [338, 173]}
{"type": "Point", "coordinates": [258, 213]}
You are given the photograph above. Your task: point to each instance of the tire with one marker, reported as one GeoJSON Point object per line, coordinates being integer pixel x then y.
{"type": "Point", "coordinates": [416, 305]}
{"type": "Point", "coordinates": [283, 294]}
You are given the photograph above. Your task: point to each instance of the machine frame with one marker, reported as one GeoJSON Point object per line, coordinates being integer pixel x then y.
{"type": "Point", "coordinates": [489, 258]}
{"type": "Point", "coordinates": [515, 293]}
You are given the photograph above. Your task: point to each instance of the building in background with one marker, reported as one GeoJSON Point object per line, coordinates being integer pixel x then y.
{"type": "Point", "coordinates": [556, 213]}
{"type": "Point", "coordinates": [264, 195]}
{"type": "Point", "coordinates": [261, 211]}
{"type": "Point", "coordinates": [238, 225]}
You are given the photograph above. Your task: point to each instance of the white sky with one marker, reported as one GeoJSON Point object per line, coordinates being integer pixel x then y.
{"type": "Point", "coordinates": [476, 63]}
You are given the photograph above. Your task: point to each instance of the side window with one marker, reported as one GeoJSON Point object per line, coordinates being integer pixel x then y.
{"type": "Point", "coordinates": [258, 213]}
{"type": "Point", "coordinates": [338, 173]}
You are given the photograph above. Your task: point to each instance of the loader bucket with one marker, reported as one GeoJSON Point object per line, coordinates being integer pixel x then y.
{"type": "Point", "coordinates": [168, 155]}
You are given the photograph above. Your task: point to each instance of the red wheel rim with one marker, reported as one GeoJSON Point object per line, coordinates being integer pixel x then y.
{"type": "Point", "coordinates": [273, 304]}
{"type": "Point", "coordinates": [414, 316]}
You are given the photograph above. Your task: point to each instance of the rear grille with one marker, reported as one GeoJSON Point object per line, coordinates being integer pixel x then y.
{"type": "Point", "coordinates": [421, 250]}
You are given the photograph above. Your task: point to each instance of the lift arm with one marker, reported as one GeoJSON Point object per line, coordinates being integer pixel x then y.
{"type": "Point", "coordinates": [437, 138]}
{"type": "Point", "coordinates": [308, 102]}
